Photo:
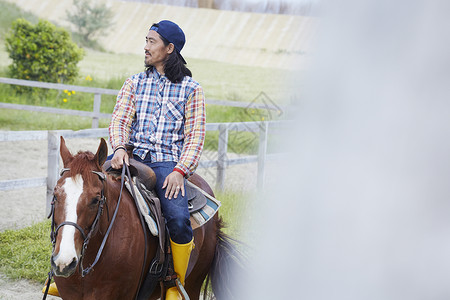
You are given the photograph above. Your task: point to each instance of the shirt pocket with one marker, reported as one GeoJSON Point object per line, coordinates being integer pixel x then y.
{"type": "Point", "coordinates": [175, 110]}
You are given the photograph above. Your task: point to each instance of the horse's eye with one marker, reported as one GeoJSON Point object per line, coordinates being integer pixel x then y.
{"type": "Point", "coordinates": [94, 201]}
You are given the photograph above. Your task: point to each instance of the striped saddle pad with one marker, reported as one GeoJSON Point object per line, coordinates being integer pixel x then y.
{"type": "Point", "coordinates": [202, 206]}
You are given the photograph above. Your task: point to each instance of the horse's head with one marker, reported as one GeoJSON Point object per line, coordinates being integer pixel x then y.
{"type": "Point", "coordinates": [78, 198]}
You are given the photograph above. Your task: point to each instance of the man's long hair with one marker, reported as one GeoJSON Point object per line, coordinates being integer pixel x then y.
{"type": "Point", "coordinates": [174, 67]}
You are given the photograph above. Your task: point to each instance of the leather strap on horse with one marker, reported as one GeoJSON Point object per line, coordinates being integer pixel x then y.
{"type": "Point", "coordinates": [125, 171]}
{"type": "Point", "coordinates": [144, 227]}
{"type": "Point", "coordinates": [157, 272]}
{"type": "Point", "coordinates": [49, 280]}
{"type": "Point", "coordinates": [155, 208]}
{"type": "Point", "coordinates": [86, 271]}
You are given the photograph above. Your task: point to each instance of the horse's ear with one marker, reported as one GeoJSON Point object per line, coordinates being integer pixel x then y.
{"type": "Point", "coordinates": [65, 153]}
{"type": "Point", "coordinates": [102, 152]}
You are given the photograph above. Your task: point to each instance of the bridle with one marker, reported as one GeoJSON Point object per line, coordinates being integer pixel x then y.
{"type": "Point", "coordinates": [102, 202]}
{"type": "Point", "coordinates": [93, 227]}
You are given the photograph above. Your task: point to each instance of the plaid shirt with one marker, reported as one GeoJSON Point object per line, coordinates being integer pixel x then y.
{"type": "Point", "coordinates": [162, 118]}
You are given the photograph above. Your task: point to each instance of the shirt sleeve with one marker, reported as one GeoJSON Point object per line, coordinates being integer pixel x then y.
{"type": "Point", "coordinates": [194, 132]}
{"type": "Point", "coordinates": [123, 116]}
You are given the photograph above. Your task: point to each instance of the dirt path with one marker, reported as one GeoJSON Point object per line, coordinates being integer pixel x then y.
{"type": "Point", "coordinates": [20, 290]}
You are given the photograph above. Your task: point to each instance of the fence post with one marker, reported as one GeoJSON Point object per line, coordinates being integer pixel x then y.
{"type": "Point", "coordinates": [53, 140]}
{"type": "Point", "coordinates": [97, 104]}
{"type": "Point", "coordinates": [262, 152]}
{"type": "Point", "coordinates": [222, 156]}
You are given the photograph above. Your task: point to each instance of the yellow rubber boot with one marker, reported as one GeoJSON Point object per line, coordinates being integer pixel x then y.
{"type": "Point", "coordinates": [52, 290]}
{"type": "Point", "coordinates": [180, 254]}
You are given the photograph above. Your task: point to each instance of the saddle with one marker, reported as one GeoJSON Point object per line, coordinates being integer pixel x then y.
{"type": "Point", "coordinates": [146, 179]}
{"type": "Point", "coordinates": [161, 268]}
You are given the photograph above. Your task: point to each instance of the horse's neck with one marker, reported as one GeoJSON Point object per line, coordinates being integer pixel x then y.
{"type": "Point", "coordinates": [126, 211]}
{"type": "Point", "coordinates": [112, 192]}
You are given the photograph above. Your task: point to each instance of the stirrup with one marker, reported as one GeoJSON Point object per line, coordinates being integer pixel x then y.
{"type": "Point", "coordinates": [181, 289]}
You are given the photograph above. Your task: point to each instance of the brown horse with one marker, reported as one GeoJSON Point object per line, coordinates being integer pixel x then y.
{"type": "Point", "coordinates": [84, 201]}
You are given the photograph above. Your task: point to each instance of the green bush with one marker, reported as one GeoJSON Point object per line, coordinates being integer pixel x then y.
{"type": "Point", "coordinates": [42, 52]}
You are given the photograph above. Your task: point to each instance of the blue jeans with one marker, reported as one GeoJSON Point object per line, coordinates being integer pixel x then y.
{"type": "Point", "coordinates": [175, 211]}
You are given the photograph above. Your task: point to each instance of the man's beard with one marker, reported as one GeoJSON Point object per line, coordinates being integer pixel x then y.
{"type": "Point", "coordinates": [147, 65]}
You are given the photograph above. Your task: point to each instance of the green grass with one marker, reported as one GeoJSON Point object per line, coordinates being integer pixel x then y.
{"type": "Point", "coordinates": [20, 120]}
{"type": "Point", "coordinates": [234, 211]}
{"type": "Point", "coordinates": [109, 70]}
{"type": "Point", "coordinates": [25, 253]}
{"type": "Point", "coordinates": [219, 80]}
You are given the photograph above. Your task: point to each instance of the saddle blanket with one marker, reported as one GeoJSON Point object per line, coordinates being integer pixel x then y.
{"type": "Point", "coordinates": [198, 217]}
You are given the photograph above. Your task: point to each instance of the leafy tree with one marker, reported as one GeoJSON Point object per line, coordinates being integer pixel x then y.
{"type": "Point", "coordinates": [42, 52]}
{"type": "Point", "coordinates": [90, 19]}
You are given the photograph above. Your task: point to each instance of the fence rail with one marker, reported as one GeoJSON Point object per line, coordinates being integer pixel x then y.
{"type": "Point", "coordinates": [53, 167]}
{"type": "Point", "coordinates": [95, 114]}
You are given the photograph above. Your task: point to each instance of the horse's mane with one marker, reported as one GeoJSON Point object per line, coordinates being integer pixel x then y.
{"type": "Point", "coordinates": [83, 163]}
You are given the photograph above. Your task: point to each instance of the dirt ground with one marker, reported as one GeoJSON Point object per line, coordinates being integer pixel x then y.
{"type": "Point", "coordinates": [20, 290]}
{"type": "Point", "coordinates": [28, 159]}
{"type": "Point", "coordinates": [21, 208]}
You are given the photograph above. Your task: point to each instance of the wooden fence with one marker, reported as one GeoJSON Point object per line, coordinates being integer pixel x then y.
{"type": "Point", "coordinates": [53, 160]}
{"type": "Point", "coordinates": [95, 114]}
{"type": "Point", "coordinates": [259, 128]}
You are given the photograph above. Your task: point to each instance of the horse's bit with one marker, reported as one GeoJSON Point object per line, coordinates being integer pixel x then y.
{"type": "Point", "coordinates": [93, 226]}
{"type": "Point", "coordinates": [87, 237]}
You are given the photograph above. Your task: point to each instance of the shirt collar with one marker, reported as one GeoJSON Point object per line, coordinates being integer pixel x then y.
{"type": "Point", "coordinates": [158, 76]}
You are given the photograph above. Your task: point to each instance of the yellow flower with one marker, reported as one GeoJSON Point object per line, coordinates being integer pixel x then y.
{"type": "Point", "coordinates": [73, 92]}
{"type": "Point", "coordinates": [64, 100]}
{"type": "Point", "coordinates": [262, 119]}
{"type": "Point", "coordinates": [66, 91]}
{"type": "Point", "coordinates": [89, 78]}
{"type": "Point", "coordinates": [68, 94]}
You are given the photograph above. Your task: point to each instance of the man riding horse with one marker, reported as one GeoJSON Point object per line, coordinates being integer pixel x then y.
{"type": "Point", "coordinates": [161, 113]}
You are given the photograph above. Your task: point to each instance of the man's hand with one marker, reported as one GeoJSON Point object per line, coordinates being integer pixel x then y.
{"type": "Point", "coordinates": [173, 183]}
{"type": "Point", "coordinates": [119, 157]}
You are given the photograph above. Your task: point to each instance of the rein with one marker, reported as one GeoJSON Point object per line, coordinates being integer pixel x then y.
{"type": "Point", "coordinates": [87, 237]}
{"type": "Point", "coordinates": [86, 271]}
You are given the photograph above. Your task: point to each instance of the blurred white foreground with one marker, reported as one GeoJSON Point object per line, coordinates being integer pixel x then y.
{"type": "Point", "coordinates": [362, 210]}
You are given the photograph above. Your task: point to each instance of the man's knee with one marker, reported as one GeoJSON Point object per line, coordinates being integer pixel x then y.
{"type": "Point", "coordinates": [180, 230]}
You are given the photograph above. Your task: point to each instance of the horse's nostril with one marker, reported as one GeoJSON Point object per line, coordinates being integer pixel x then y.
{"type": "Point", "coordinates": [73, 264]}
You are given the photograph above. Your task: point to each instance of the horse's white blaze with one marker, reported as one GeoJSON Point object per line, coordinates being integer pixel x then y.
{"type": "Point", "coordinates": [73, 189]}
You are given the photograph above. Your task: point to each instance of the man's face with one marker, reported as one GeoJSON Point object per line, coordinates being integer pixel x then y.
{"type": "Point", "coordinates": [156, 52]}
